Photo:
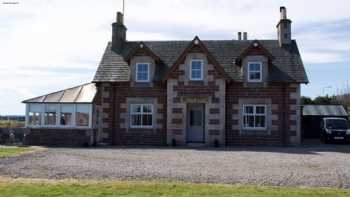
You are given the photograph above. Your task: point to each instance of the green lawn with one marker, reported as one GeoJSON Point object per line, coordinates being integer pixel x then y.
{"type": "Point", "coordinates": [8, 151]}
{"type": "Point", "coordinates": [33, 188]}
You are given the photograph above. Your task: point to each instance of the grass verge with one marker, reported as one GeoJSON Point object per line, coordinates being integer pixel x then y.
{"type": "Point", "coordinates": [9, 151]}
{"type": "Point", "coordinates": [45, 188]}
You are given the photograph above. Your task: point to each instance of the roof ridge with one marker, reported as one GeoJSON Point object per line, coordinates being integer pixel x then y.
{"type": "Point", "coordinates": [223, 40]}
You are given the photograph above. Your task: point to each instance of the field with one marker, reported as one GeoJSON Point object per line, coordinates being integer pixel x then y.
{"type": "Point", "coordinates": [11, 124]}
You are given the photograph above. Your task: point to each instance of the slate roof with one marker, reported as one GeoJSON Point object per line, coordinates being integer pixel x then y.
{"type": "Point", "coordinates": [324, 110]}
{"type": "Point", "coordinates": [79, 94]}
{"type": "Point", "coordinates": [287, 65]}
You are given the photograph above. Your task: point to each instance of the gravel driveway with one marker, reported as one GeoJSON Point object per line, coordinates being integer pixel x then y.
{"type": "Point", "coordinates": [302, 166]}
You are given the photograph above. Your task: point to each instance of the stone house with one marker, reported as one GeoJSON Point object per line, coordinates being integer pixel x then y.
{"type": "Point", "coordinates": [206, 92]}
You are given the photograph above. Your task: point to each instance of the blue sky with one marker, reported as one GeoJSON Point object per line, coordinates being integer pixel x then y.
{"type": "Point", "coordinates": [49, 45]}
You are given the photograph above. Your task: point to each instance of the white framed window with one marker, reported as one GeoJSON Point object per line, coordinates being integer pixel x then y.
{"type": "Point", "coordinates": [141, 116]}
{"type": "Point", "coordinates": [35, 114]}
{"type": "Point", "coordinates": [66, 115]}
{"type": "Point", "coordinates": [59, 115]}
{"type": "Point", "coordinates": [50, 115]}
{"type": "Point", "coordinates": [196, 70]}
{"type": "Point", "coordinates": [254, 71]}
{"type": "Point", "coordinates": [142, 72]}
{"type": "Point", "coordinates": [254, 117]}
{"type": "Point", "coordinates": [83, 115]}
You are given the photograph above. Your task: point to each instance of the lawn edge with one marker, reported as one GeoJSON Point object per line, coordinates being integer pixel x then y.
{"type": "Point", "coordinates": [33, 149]}
{"type": "Point", "coordinates": [53, 182]}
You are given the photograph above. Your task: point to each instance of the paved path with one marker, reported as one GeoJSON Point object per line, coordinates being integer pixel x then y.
{"type": "Point", "coordinates": [301, 166]}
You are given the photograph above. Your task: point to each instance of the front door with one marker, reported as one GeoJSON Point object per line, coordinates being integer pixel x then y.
{"type": "Point", "coordinates": [195, 123]}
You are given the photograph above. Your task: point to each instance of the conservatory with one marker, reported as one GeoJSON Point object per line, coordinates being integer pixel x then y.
{"type": "Point", "coordinates": [70, 109]}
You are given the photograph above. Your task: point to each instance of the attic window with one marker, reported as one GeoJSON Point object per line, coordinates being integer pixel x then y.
{"type": "Point", "coordinates": [254, 71]}
{"type": "Point", "coordinates": [142, 72]}
{"type": "Point", "coordinates": [196, 70]}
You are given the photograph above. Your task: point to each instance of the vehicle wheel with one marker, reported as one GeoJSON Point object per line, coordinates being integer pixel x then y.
{"type": "Point", "coordinates": [327, 141]}
{"type": "Point", "coordinates": [324, 139]}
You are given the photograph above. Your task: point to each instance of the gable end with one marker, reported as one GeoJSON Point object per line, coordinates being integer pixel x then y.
{"type": "Point", "coordinates": [196, 46]}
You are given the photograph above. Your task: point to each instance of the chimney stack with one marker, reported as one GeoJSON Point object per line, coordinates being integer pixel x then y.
{"type": "Point", "coordinates": [118, 33]}
{"type": "Point", "coordinates": [239, 36]}
{"type": "Point", "coordinates": [245, 36]}
{"type": "Point", "coordinates": [284, 29]}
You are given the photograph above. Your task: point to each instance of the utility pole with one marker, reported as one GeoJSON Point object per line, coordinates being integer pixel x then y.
{"type": "Point", "coordinates": [124, 8]}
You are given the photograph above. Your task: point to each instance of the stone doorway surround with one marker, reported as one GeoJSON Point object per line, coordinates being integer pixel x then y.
{"type": "Point", "coordinates": [210, 92]}
{"type": "Point", "coordinates": [214, 126]}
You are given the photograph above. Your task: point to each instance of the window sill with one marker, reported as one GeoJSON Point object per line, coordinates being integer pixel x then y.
{"type": "Point", "coordinates": [142, 84]}
{"type": "Point", "coordinates": [255, 84]}
{"type": "Point", "coordinates": [199, 82]}
{"type": "Point", "coordinates": [196, 79]}
{"type": "Point", "coordinates": [57, 127]}
{"type": "Point", "coordinates": [255, 132]}
{"type": "Point", "coordinates": [255, 128]}
{"type": "Point", "coordinates": [149, 128]}
{"type": "Point", "coordinates": [142, 130]}
{"type": "Point", "coordinates": [141, 81]}
{"type": "Point", "coordinates": [255, 81]}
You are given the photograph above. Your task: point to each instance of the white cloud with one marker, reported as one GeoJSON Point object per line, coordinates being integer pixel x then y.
{"type": "Point", "coordinates": [44, 43]}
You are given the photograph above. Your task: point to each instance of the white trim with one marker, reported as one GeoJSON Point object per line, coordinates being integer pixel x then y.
{"type": "Point", "coordinates": [141, 113]}
{"type": "Point", "coordinates": [90, 116]}
{"type": "Point", "coordinates": [42, 116]}
{"type": "Point", "coordinates": [260, 70]}
{"type": "Point", "coordinates": [202, 67]}
{"type": "Point", "coordinates": [27, 115]}
{"type": "Point", "coordinates": [58, 114]}
{"type": "Point", "coordinates": [137, 70]}
{"type": "Point", "coordinates": [254, 115]}
{"type": "Point", "coordinates": [74, 116]}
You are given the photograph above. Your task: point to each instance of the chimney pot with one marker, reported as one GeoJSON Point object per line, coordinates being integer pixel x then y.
{"type": "Point", "coordinates": [239, 35]}
{"type": "Point", "coordinates": [120, 18]}
{"type": "Point", "coordinates": [245, 36]}
{"type": "Point", "coordinates": [283, 11]}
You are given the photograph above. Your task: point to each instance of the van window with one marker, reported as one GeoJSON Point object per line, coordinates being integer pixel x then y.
{"type": "Point", "coordinates": [336, 124]}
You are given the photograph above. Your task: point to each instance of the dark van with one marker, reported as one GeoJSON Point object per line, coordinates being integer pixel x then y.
{"type": "Point", "coordinates": [334, 129]}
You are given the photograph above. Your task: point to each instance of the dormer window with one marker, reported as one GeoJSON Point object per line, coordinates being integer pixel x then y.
{"type": "Point", "coordinates": [196, 70]}
{"type": "Point", "coordinates": [254, 72]}
{"type": "Point", "coordinates": [142, 72]}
